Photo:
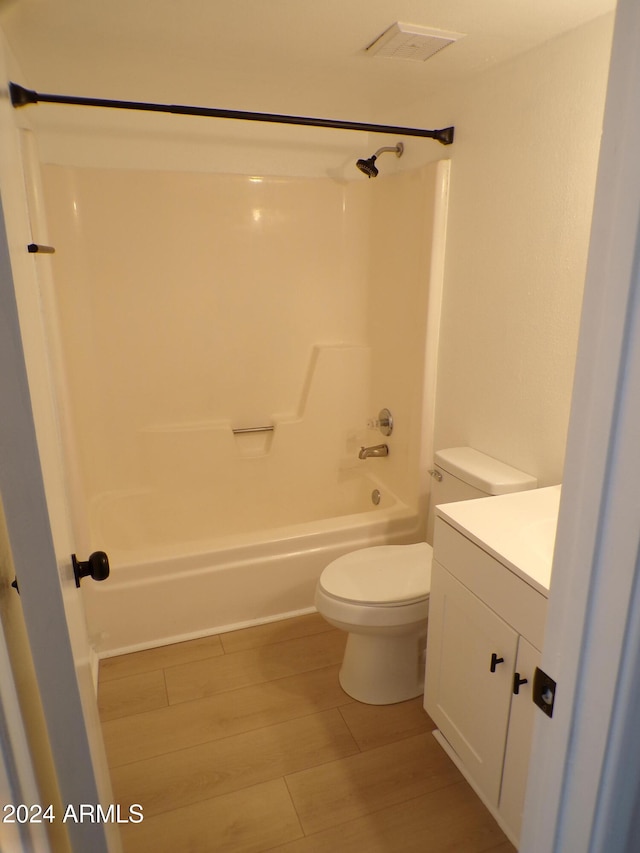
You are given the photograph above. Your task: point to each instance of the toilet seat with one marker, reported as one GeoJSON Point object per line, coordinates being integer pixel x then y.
{"type": "Point", "coordinates": [380, 597]}
{"type": "Point", "coordinates": [380, 576]}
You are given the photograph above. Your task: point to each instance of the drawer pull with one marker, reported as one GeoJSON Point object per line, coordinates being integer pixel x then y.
{"type": "Point", "coordinates": [517, 682]}
{"type": "Point", "coordinates": [495, 660]}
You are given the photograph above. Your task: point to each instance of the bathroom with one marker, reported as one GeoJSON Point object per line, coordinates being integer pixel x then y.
{"type": "Point", "coordinates": [488, 260]}
{"type": "Point", "coordinates": [515, 260]}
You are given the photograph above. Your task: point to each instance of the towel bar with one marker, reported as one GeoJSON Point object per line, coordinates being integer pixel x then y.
{"type": "Point", "coordinates": [244, 430]}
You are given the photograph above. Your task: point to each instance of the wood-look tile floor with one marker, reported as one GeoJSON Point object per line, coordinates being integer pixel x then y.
{"type": "Point", "coordinates": [244, 742]}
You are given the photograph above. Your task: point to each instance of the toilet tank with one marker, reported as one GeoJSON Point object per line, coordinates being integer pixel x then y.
{"type": "Point", "coordinates": [462, 473]}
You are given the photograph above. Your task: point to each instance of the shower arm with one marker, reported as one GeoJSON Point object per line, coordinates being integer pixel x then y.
{"type": "Point", "coordinates": [397, 150]}
{"type": "Point", "coordinates": [21, 97]}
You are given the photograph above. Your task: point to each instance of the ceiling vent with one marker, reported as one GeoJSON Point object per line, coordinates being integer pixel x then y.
{"type": "Point", "coordinates": [409, 41]}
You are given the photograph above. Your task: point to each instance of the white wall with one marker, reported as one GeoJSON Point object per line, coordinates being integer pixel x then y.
{"type": "Point", "coordinates": [523, 168]}
{"type": "Point", "coordinates": [522, 185]}
{"type": "Point", "coordinates": [193, 303]}
{"type": "Point", "coordinates": [522, 179]}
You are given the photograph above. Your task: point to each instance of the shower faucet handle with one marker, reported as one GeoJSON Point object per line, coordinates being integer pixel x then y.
{"type": "Point", "coordinates": [384, 422]}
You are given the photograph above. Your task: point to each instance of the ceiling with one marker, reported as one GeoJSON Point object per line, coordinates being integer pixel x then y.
{"type": "Point", "coordinates": [299, 56]}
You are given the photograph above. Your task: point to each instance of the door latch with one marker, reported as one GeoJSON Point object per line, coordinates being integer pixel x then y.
{"type": "Point", "coordinates": [544, 691]}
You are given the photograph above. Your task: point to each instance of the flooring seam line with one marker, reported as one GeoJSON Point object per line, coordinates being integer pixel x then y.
{"type": "Point", "coordinates": [244, 732]}
{"type": "Point", "coordinates": [255, 684]}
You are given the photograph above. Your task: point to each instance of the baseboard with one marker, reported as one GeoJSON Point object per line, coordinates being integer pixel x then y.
{"type": "Point", "coordinates": [94, 663]}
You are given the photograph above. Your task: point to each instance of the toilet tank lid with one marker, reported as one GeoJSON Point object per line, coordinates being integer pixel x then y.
{"type": "Point", "coordinates": [482, 471]}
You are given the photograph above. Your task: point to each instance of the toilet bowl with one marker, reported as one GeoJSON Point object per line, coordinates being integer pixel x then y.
{"type": "Point", "coordinates": [380, 597]}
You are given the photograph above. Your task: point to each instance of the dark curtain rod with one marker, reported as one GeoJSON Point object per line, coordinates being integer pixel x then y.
{"type": "Point", "coordinates": [20, 97]}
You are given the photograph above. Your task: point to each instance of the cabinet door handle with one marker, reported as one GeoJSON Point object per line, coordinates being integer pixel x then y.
{"type": "Point", "coordinates": [495, 660]}
{"type": "Point", "coordinates": [517, 681]}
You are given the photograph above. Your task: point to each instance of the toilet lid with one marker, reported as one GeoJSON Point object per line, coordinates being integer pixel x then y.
{"type": "Point", "coordinates": [384, 574]}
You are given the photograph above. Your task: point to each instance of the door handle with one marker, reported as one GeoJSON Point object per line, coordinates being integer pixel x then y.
{"type": "Point", "coordinates": [96, 567]}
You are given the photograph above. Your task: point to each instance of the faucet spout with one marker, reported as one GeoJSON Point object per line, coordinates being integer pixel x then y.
{"type": "Point", "coordinates": [376, 450]}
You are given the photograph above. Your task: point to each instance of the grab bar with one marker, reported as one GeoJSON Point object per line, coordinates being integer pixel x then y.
{"type": "Point", "coordinates": [244, 430]}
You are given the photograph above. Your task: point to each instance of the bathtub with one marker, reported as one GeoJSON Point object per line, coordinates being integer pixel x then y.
{"type": "Point", "coordinates": [171, 582]}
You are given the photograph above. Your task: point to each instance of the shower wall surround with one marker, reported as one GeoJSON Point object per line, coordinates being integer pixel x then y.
{"type": "Point", "coordinates": [191, 304]}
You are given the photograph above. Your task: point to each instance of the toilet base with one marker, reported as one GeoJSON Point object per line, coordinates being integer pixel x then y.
{"type": "Point", "coordinates": [383, 669]}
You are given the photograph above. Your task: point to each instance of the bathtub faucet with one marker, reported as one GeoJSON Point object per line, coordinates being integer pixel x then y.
{"type": "Point", "coordinates": [376, 450]}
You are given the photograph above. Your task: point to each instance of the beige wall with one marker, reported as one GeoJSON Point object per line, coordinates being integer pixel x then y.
{"type": "Point", "coordinates": [522, 185]}
{"type": "Point", "coordinates": [404, 291]}
{"type": "Point", "coordinates": [189, 298]}
{"type": "Point", "coordinates": [207, 302]}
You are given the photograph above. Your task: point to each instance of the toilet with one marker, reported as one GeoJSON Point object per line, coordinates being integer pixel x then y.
{"type": "Point", "coordinates": [380, 595]}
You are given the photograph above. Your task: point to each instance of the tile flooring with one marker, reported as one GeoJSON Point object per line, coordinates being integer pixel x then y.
{"type": "Point", "coordinates": [244, 742]}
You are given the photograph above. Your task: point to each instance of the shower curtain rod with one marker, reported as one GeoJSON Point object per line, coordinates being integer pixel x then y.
{"type": "Point", "coordinates": [20, 97]}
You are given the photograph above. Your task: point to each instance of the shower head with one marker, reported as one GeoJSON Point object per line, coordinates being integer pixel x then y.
{"type": "Point", "coordinates": [368, 166]}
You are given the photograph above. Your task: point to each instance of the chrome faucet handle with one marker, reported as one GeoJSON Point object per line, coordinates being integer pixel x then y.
{"type": "Point", "coordinates": [384, 422]}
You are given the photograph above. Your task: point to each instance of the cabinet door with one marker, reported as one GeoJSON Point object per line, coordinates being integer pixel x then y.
{"type": "Point", "coordinates": [468, 702]}
{"type": "Point", "coordinates": [516, 759]}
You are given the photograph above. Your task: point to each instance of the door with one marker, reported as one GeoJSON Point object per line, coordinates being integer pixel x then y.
{"type": "Point", "coordinates": [50, 601]}
{"type": "Point", "coordinates": [518, 751]}
{"type": "Point", "coordinates": [584, 780]}
{"type": "Point", "coordinates": [32, 490]}
{"type": "Point", "coordinates": [17, 777]}
{"type": "Point", "coordinates": [472, 654]}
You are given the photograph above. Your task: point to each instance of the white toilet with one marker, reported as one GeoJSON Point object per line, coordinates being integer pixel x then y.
{"type": "Point", "coordinates": [380, 595]}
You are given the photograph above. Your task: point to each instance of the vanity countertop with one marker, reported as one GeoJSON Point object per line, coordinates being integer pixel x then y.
{"type": "Point", "coordinates": [518, 529]}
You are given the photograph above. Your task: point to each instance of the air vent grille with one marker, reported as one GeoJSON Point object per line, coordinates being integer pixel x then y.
{"type": "Point", "coordinates": [409, 41]}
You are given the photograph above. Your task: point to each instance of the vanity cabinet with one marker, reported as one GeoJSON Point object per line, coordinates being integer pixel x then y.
{"type": "Point", "coordinates": [486, 625]}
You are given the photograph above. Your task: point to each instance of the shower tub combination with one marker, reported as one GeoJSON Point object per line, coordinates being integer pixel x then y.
{"type": "Point", "coordinates": [177, 589]}
{"type": "Point", "coordinates": [241, 365]}
{"type": "Point", "coordinates": [235, 525]}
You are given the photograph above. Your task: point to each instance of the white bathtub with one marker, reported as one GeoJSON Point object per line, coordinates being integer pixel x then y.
{"type": "Point", "coordinates": [168, 583]}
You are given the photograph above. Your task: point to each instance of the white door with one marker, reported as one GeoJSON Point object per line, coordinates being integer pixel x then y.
{"type": "Point", "coordinates": [33, 496]}
{"type": "Point", "coordinates": [584, 779]}
{"type": "Point", "coordinates": [472, 655]}
{"type": "Point", "coordinates": [518, 750]}
{"type": "Point", "coordinates": [50, 601]}
{"type": "Point", "coordinates": [18, 787]}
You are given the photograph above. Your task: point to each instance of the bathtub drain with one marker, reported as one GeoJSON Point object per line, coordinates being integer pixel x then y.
{"type": "Point", "coordinates": [376, 497]}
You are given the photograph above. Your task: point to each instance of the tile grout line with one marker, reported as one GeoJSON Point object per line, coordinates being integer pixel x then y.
{"type": "Point", "coordinates": [355, 740]}
{"type": "Point", "coordinates": [276, 642]}
{"type": "Point", "coordinates": [166, 689]}
{"type": "Point", "coordinates": [313, 766]}
{"type": "Point", "coordinates": [343, 702]}
{"type": "Point", "coordinates": [293, 805]}
{"type": "Point", "coordinates": [223, 651]}
{"type": "Point", "coordinates": [253, 684]}
{"type": "Point", "coordinates": [299, 716]}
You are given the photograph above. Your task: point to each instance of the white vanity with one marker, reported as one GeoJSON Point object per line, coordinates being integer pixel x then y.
{"type": "Point", "coordinates": [487, 615]}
